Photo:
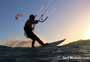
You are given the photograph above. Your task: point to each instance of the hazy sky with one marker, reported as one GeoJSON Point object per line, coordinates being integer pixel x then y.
{"type": "Point", "coordinates": [67, 19]}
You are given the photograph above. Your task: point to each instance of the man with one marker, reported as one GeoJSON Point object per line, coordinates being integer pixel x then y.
{"type": "Point", "coordinates": [29, 27]}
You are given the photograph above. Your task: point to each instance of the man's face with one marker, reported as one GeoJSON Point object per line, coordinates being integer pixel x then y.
{"type": "Point", "coordinates": [32, 17]}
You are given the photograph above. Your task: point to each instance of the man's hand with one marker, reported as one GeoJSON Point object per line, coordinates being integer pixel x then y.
{"type": "Point", "coordinates": [36, 21]}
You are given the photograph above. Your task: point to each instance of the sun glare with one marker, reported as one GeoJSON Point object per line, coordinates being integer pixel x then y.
{"type": "Point", "coordinates": [86, 34]}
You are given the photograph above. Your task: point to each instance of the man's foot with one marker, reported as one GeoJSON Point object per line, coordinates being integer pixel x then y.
{"type": "Point", "coordinates": [33, 46]}
{"type": "Point", "coordinates": [45, 44]}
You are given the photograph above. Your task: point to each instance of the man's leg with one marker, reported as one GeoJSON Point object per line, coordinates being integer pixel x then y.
{"type": "Point", "coordinates": [33, 42]}
{"type": "Point", "coordinates": [37, 38]}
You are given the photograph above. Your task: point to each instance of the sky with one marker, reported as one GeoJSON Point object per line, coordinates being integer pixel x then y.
{"type": "Point", "coordinates": [66, 19]}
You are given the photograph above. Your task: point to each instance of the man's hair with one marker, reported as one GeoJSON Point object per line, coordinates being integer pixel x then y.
{"type": "Point", "coordinates": [32, 16]}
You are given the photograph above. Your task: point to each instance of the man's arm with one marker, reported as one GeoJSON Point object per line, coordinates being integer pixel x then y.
{"type": "Point", "coordinates": [35, 22]}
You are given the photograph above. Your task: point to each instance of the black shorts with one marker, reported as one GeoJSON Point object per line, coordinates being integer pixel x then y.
{"type": "Point", "coordinates": [31, 35]}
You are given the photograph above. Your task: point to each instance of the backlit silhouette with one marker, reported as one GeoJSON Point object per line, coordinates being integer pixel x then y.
{"type": "Point", "coordinates": [29, 27]}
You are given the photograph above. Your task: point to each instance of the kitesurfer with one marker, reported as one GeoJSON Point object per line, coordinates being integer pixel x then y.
{"type": "Point", "coordinates": [29, 28]}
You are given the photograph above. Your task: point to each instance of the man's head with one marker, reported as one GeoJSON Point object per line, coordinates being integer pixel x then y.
{"type": "Point", "coordinates": [32, 17]}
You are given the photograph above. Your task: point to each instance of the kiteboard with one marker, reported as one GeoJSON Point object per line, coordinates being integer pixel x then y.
{"type": "Point", "coordinates": [54, 43]}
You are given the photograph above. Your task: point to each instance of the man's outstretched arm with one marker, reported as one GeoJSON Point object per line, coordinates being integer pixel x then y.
{"type": "Point", "coordinates": [35, 22]}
